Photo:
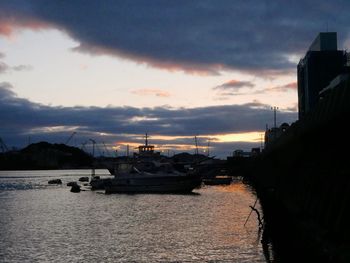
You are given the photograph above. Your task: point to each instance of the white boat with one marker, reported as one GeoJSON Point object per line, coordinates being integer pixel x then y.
{"type": "Point", "coordinates": [146, 173]}
{"type": "Point", "coordinates": [130, 180]}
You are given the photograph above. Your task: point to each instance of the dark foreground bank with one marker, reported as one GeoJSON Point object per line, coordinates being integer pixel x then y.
{"type": "Point", "coordinates": [303, 181]}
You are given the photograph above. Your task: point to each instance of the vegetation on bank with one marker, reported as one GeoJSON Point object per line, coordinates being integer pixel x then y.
{"type": "Point", "coordinates": [44, 155]}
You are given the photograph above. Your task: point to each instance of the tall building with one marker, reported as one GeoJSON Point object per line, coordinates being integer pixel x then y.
{"type": "Point", "coordinates": [321, 64]}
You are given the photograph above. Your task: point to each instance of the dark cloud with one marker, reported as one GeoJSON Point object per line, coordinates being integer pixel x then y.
{"type": "Point", "coordinates": [3, 67]}
{"type": "Point", "coordinates": [233, 87]}
{"type": "Point", "coordinates": [194, 36]}
{"type": "Point", "coordinates": [25, 119]}
{"type": "Point", "coordinates": [289, 86]}
{"type": "Point", "coordinates": [292, 86]}
{"type": "Point", "coordinates": [22, 67]}
{"type": "Point", "coordinates": [226, 91]}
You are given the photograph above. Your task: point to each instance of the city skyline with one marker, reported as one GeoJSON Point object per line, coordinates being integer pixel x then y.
{"type": "Point", "coordinates": [116, 71]}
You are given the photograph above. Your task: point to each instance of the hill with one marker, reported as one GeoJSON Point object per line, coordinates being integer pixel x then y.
{"type": "Point", "coordinates": [44, 155]}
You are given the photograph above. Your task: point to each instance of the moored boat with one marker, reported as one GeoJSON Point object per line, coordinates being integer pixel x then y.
{"type": "Point", "coordinates": [146, 172]}
{"type": "Point", "coordinates": [129, 179]}
{"type": "Point", "coordinates": [164, 179]}
{"type": "Point", "coordinates": [161, 182]}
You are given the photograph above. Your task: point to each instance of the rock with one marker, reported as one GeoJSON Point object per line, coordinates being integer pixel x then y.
{"type": "Point", "coordinates": [72, 183]}
{"type": "Point", "coordinates": [55, 181]}
{"type": "Point", "coordinates": [75, 188]}
{"type": "Point", "coordinates": [84, 179]}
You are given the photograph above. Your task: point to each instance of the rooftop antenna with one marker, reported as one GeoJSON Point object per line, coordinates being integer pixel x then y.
{"type": "Point", "coordinates": [274, 121]}
{"type": "Point", "coordinates": [274, 116]}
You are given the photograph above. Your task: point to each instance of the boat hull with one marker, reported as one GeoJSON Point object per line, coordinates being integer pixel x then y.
{"type": "Point", "coordinates": [166, 184]}
{"type": "Point", "coordinates": [98, 184]}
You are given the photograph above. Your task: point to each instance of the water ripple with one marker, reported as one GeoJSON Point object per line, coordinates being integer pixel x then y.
{"type": "Point", "coordinates": [51, 224]}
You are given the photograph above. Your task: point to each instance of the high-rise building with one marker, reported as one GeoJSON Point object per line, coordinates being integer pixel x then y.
{"type": "Point", "coordinates": [321, 64]}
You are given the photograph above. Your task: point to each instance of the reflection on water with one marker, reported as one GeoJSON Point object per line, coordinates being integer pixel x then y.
{"type": "Point", "coordinates": [49, 223]}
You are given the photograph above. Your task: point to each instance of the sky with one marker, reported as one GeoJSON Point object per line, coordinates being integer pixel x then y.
{"type": "Point", "coordinates": [113, 70]}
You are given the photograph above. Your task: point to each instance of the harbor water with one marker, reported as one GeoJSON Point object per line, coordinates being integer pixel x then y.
{"type": "Point", "coordinates": [47, 223]}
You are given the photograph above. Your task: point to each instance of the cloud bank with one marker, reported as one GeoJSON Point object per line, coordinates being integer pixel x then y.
{"type": "Point", "coordinates": [193, 36]}
{"type": "Point", "coordinates": [26, 119]}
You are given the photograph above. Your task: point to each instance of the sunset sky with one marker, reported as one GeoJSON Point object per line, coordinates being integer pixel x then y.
{"type": "Point", "coordinates": [114, 70]}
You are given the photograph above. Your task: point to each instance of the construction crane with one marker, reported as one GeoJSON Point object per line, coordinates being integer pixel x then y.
{"type": "Point", "coordinates": [83, 146]}
{"type": "Point", "coordinates": [70, 137]}
{"type": "Point", "coordinates": [3, 146]}
{"type": "Point", "coordinates": [106, 149]}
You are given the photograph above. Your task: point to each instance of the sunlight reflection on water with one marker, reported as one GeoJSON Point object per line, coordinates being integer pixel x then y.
{"type": "Point", "coordinates": [49, 223]}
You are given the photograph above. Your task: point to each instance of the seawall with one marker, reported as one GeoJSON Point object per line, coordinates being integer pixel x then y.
{"type": "Point", "coordinates": [305, 175]}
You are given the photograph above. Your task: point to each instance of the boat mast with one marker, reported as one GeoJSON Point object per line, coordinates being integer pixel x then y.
{"type": "Point", "coordinates": [208, 146]}
{"type": "Point", "coordinates": [93, 156]}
